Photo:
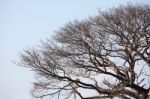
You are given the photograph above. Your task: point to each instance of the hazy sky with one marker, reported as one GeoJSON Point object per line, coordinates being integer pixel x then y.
{"type": "Point", "coordinates": [23, 23]}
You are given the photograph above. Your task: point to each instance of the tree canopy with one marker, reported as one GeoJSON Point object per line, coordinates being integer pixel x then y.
{"type": "Point", "coordinates": [104, 56]}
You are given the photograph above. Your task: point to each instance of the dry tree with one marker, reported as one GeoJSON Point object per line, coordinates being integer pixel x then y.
{"type": "Point", "coordinates": [104, 56]}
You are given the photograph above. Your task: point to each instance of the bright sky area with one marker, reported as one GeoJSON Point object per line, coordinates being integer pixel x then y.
{"type": "Point", "coordinates": [23, 23]}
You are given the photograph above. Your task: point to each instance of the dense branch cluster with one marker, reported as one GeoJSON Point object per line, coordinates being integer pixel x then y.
{"type": "Point", "coordinates": [105, 56]}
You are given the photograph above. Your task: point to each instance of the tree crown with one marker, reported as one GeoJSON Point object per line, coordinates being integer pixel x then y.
{"type": "Point", "coordinates": [108, 54]}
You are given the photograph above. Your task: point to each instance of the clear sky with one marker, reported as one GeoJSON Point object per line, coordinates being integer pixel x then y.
{"type": "Point", "coordinates": [23, 23]}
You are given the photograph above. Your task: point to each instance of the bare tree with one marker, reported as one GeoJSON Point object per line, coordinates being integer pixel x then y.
{"type": "Point", "coordinates": [104, 56]}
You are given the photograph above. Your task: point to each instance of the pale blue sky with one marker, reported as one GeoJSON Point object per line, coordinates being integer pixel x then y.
{"type": "Point", "coordinates": [23, 23]}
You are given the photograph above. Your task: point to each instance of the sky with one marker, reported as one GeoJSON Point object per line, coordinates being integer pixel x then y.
{"type": "Point", "coordinates": [23, 23]}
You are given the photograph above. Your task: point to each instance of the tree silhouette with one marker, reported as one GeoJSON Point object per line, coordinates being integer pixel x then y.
{"type": "Point", "coordinates": [104, 56]}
